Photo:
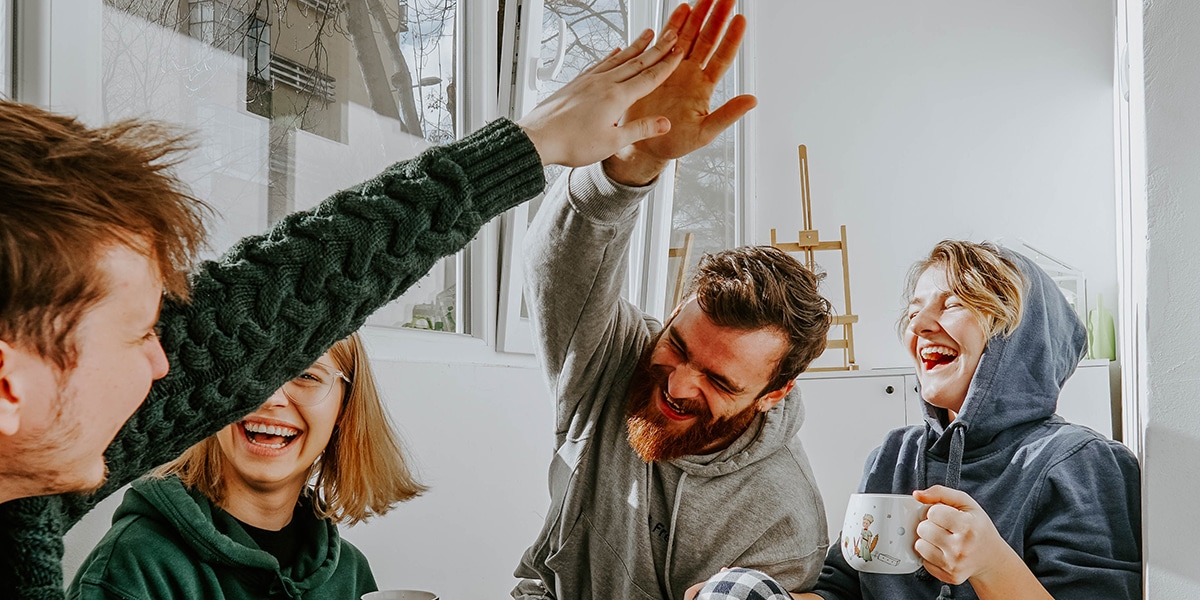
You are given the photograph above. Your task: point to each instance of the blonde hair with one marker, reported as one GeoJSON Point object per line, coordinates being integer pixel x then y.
{"type": "Point", "coordinates": [989, 283]}
{"type": "Point", "coordinates": [362, 473]}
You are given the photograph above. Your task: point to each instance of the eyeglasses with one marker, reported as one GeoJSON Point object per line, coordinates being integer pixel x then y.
{"type": "Point", "coordinates": [312, 387]}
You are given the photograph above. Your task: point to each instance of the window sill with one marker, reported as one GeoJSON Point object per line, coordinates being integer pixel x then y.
{"type": "Point", "coordinates": [423, 346]}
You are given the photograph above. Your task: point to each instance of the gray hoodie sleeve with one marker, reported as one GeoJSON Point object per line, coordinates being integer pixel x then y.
{"type": "Point", "coordinates": [575, 262]}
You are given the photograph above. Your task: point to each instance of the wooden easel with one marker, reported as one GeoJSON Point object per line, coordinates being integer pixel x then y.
{"type": "Point", "coordinates": [809, 243]}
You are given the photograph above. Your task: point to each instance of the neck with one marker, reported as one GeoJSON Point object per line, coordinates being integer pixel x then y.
{"type": "Point", "coordinates": [269, 509]}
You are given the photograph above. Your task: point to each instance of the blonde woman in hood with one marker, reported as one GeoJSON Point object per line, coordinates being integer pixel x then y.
{"type": "Point", "coordinates": [1022, 504]}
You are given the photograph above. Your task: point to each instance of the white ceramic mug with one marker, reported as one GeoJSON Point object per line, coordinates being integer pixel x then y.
{"type": "Point", "coordinates": [399, 595]}
{"type": "Point", "coordinates": [879, 532]}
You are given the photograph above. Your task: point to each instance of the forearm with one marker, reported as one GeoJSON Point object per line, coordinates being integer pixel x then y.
{"type": "Point", "coordinates": [575, 261]}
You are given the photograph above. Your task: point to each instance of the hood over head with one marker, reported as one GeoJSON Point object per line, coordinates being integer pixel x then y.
{"type": "Point", "coordinates": [1019, 377]}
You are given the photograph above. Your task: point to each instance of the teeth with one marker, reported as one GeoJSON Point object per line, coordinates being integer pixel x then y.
{"type": "Point", "coordinates": [672, 403]}
{"type": "Point", "coordinates": [928, 352]}
{"type": "Point", "coordinates": [271, 429]}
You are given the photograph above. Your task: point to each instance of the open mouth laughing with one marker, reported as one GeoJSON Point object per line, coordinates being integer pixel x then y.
{"type": "Point", "coordinates": [935, 356]}
{"type": "Point", "coordinates": [267, 438]}
{"type": "Point", "coordinates": [674, 408]}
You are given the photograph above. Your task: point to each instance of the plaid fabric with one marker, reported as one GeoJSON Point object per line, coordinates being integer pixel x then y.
{"type": "Point", "coordinates": [742, 584]}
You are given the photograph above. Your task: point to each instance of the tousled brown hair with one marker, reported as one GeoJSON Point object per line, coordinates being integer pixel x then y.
{"type": "Point", "coordinates": [763, 287]}
{"type": "Point", "coordinates": [362, 472]}
{"type": "Point", "coordinates": [989, 283]}
{"type": "Point", "coordinates": [68, 193]}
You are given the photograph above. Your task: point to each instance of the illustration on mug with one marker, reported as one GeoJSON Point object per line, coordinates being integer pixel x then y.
{"type": "Point", "coordinates": [864, 546]}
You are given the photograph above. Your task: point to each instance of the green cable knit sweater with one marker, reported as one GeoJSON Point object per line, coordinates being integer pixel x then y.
{"type": "Point", "coordinates": [273, 304]}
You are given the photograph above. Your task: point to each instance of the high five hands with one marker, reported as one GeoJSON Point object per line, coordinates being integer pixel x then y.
{"type": "Point", "coordinates": [708, 48]}
{"type": "Point", "coordinates": [643, 106]}
{"type": "Point", "coordinates": [580, 123]}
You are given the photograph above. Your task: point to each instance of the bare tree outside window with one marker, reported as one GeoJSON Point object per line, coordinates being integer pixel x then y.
{"type": "Point", "coordinates": [292, 100]}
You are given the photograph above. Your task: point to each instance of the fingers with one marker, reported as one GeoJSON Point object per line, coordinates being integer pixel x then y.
{"type": "Point", "coordinates": [619, 57]}
{"type": "Point", "coordinates": [726, 115]}
{"type": "Point", "coordinates": [943, 495]}
{"type": "Point", "coordinates": [650, 59]}
{"type": "Point", "coordinates": [711, 34]}
{"type": "Point", "coordinates": [640, 129]}
{"type": "Point", "coordinates": [691, 29]}
{"type": "Point", "coordinates": [726, 53]}
{"type": "Point", "coordinates": [678, 17]}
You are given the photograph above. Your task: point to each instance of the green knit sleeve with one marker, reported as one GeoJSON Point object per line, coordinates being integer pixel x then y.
{"type": "Point", "coordinates": [274, 303]}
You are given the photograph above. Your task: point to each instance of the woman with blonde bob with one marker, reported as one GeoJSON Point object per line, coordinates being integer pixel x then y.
{"type": "Point", "coordinates": [252, 511]}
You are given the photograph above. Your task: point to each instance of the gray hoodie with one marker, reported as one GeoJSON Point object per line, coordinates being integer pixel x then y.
{"type": "Point", "coordinates": [1064, 497]}
{"type": "Point", "coordinates": [618, 527]}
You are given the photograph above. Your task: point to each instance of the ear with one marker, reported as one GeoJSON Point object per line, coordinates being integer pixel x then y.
{"type": "Point", "coordinates": [10, 403]}
{"type": "Point", "coordinates": [769, 401]}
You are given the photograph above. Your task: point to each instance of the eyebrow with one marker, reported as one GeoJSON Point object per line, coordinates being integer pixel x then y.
{"type": "Point", "coordinates": [323, 367]}
{"type": "Point", "coordinates": [719, 378]}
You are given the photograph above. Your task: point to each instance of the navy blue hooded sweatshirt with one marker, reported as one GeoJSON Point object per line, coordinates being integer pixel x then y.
{"type": "Point", "coordinates": [1065, 498]}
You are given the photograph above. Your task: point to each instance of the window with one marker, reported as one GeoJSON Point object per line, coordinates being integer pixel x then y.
{"type": "Point", "coordinates": [701, 195]}
{"type": "Point", "coordinates": [288, 101]}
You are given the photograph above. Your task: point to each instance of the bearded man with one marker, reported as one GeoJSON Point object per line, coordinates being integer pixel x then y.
{"type": "Point", "coordinates": [676, 449]}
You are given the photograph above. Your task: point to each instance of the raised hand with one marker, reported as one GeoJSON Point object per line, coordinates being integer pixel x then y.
{"type": "Point", "coordinates": [581, 122]}
{"type": "Point", "coordinates": [708, 50]}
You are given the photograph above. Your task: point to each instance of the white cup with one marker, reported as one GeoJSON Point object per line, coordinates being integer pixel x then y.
{"type": "Point", "coordinates": [399, 595]}
{"type": "Point", "coordinates": [879, 532]}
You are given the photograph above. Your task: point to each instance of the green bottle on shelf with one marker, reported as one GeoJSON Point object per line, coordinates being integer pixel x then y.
{"type": "Point", "coordinates": [1102, 338]}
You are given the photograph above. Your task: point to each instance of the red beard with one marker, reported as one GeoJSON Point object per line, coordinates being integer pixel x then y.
{"type": "Point", "coordinates": [649, 431]}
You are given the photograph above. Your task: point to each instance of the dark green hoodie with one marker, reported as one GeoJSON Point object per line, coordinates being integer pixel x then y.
{"type": "Point", "coordinates": [169, 542]}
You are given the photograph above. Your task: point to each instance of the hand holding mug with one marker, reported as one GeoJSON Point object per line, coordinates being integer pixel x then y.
{"type": "Point", "coordinates": [957, 539]}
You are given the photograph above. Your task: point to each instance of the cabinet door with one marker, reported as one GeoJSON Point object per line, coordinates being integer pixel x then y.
{"type": "Point", "coordinates": [846, 418]}
{"type": "Point", "coordinates": [1086, 398]}
{"type": "Point", "coordinates": [914, 406]}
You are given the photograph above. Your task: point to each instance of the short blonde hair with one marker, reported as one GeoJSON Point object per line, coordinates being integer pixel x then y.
{"type": "Point", "coordinates": [362, 472]}
{"type": "Point", "coordinates": [989, 283]}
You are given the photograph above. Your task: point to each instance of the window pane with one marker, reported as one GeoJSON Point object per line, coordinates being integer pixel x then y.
{"type": "Point", "coordinates": [291, 102]}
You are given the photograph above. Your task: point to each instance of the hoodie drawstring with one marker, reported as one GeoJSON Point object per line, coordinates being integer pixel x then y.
{"type": "Point", "coordinates": [671, 533]}
{"type": "Point", "coordinates": [921, 482]}
{"type": "Point", "coordinates": [958, 440]}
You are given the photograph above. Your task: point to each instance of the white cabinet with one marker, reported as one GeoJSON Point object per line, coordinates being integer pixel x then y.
{"type": "Point", "coordinates": [847, 414]}
{"type": "Point", "coordinates": [1091, 397]}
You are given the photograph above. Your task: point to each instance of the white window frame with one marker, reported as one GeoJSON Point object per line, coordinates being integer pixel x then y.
{"type": "Point", "coordinates": [6, 48]}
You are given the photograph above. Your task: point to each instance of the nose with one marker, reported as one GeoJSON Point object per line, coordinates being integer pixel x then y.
{"type": "Point", "coordinates": [924, 321]}
{"type": "Point", "coordinates": [684, 382]}
{"type": "Point", "coordinates": [277, 399]}
{"type": "Point", "coordinates": [159, 365]}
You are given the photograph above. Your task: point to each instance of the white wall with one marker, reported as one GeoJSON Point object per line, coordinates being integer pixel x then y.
{"type": "Point", "coordinates": [1172, 444]}
{"type": "Point", "coordinates": [935, 119]}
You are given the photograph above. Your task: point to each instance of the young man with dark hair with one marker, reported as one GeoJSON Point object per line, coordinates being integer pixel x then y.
{"type": "Point", "coordinates": [676, 450]}
{"type": "Point", "coordinates": [93, 228]}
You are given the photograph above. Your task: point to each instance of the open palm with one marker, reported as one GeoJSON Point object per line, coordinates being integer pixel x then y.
{"type": "Point", "coordinates": [709, 49]}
